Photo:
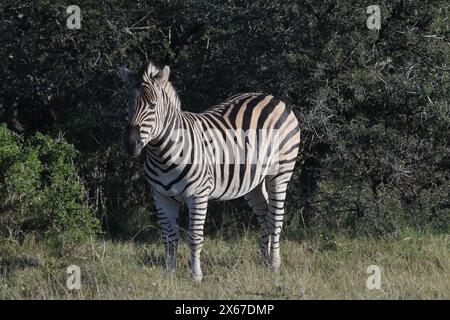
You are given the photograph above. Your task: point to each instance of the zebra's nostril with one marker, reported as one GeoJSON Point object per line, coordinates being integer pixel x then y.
{"type": "Point", "coordinates": [133, 132]}
{"type": "Point", "coordinates": [133, 143]}
{"type": "Point", "coordinates": [133, 147]}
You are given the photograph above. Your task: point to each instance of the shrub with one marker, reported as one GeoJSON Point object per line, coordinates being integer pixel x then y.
{"type": "Point", "coordinates": [40, 191]}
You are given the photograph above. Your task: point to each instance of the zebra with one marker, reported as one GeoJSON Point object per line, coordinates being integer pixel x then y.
{"type": "Point", "coordinates": [196, 157]}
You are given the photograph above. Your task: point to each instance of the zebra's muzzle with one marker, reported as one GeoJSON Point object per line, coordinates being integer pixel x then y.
{"type": "Point", "coordinates": [132, 141]}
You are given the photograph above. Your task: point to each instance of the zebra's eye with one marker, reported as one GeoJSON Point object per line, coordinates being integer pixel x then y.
{"type": "Point", "coordinates": [152, 105]}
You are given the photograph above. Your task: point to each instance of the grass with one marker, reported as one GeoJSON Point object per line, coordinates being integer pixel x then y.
{"type": "Point", "coordinates": [414, 266]}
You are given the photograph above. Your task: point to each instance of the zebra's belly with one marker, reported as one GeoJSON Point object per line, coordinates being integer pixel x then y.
{"type": "Point", "coordinates": [241, 183]}
{"type": "Point", "coordinates": [233, 194]}
{"type": "Point", "coordinates": [225, 190]}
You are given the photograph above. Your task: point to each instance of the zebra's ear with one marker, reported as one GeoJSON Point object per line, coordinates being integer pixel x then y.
{"type": "Point", "coordinates": [128, 76]}
{"type": "Point", "coordinates": [163, 76]}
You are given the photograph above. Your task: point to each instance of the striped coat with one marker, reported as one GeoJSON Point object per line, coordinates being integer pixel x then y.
{"type": "Point", "coordinates": [245, 146]}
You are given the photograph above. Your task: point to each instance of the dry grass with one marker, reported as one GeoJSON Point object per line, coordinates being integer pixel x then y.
{"type": "Point", "coordinates": [414, 267]}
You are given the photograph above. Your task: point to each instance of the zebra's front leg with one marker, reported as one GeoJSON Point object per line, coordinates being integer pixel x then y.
{"type": "Point", "coordinates": [167, 211]}
{"type": "Point", "coordinates": [197, 216]}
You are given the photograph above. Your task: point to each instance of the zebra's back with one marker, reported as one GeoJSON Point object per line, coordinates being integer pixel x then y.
{"type": "Point", "coordinates": [258, 136]}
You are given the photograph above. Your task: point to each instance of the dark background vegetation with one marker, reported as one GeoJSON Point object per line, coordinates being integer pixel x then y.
{"type": "Point", "coordinates": [373, 106]}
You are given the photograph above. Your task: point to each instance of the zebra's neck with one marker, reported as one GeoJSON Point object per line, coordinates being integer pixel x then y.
{"type": "Point", "coordinates": [172, 96]}
{"type": "Point", "coordinates": [175, 144]}
{"type": "Point", "coordinates": [171, 131]}
{"type": "Point", "coordinates": [167, 121]}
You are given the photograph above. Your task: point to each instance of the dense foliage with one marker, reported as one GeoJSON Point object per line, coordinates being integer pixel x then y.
{"type": "Point", "coordinates": [373, 103]}
{"type": "Point", "coordinates": [39, 189]}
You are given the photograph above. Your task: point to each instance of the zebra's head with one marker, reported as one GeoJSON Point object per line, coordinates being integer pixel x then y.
{"type": "Point", "coordinates": [144, 110]}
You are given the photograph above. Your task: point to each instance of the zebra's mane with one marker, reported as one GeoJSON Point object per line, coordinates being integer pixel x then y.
{"type": "Point", "coordinates": [150, 70]}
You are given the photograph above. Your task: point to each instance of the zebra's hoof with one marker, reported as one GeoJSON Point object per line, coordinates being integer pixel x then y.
{"type": "Point", "coordinates": [197, 277]}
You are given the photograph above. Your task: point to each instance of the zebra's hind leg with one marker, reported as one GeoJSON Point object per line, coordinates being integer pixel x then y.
{"type": "Point", "coordinates": [276, 188]}
{"type": "Point", "coordinates": [257, 200]}
{"type": "Point", "coordinates": [167, 211]}
{"type": "Point", "coordinates": [197, 216]}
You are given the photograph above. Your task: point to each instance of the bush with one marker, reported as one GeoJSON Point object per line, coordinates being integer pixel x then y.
{"type": "Point", "coordinates": [40, 191]}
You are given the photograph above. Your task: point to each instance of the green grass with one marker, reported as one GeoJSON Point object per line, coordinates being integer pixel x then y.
{"type": "Point", "coordinates": [414, 266]}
